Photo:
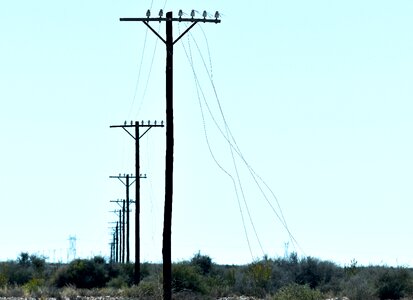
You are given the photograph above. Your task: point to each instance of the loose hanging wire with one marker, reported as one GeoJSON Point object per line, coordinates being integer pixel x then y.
{"type": "Point", "coordinates": [232, 142]}
{"type": "Point", "coordinates": [199, 90]}
{"type": "Point", "coordinates": [238, 151]}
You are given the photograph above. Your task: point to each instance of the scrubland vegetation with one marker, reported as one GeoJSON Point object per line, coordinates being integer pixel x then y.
{"type": "Point", "coordinates": [291, 278]}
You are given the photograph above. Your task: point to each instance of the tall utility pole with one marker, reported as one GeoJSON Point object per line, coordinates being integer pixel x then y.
{"type": "Point", "coordinates": [169, 42]}
{"type": "Point", "coordinates": [136, 136]}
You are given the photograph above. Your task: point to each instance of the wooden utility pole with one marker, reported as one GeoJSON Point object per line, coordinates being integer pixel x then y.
{"type": "Point", "coordinates": [169, 42]}
{"type": "Point", "coordinates": [136, 136]}
{"type": "Point", "coordinates": [117, 243]}
{"type": "Point", "coordinates": [127, 184]}
{"type": "Point", "coordinates": [137, 266]}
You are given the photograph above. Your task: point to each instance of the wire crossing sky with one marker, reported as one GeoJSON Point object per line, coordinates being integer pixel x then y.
{"type": "Point", "coordinates": [304, 103]}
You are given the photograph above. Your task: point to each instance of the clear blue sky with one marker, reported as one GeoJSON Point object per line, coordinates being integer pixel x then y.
{"type": "Point", "coordinates": [317, 94]}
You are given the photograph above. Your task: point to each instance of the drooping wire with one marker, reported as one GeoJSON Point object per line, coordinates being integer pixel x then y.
{"type": "Point", "coordinates": [234, 163]}
{"type": "Point", "coordinates": [233, 144]}
{"type": "Point", "coordinates": [199, 90]}
{"type": "Point", "coordinates": [252, 172]}
{"type": "Point", "coordinates": [231, 148]}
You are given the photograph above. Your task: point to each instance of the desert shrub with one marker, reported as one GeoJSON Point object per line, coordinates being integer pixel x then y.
{"type": "Point", "coordinates": [318, 274]}
{"type": "Point", "coordinates": [285, 270]}
{"type": "Point", "coordinates": [298, 292]}
{"type": "Point", "coordinates": [21, 271]}
{"type": "Point", "coordinates": [260, 273]}
{"type": "Point", "coordinates": [38, 265]}
{"type": "Point", "coordinates": [34, 287]}
{"type": "Point", "coordinates": [124, 272]}
{"type": "Point", "coordinates": [309, 272]}
{"type": "Point", "coordinates": [82, 273]}
{"type": "Point", "coordinates": [186, 277]}
{"type": "Point", "coordinates": [3, 280]}
{"type": "Point", "coordinates": [118, 282]}
{"type": "Point", "coordinates": [358, 287]}
{"type": "Point", "coordinates": [394, 284]}
{"type": "Point", "coordinates": [12, 292]}
{"type": "Point", "coordinates": [253, 279]}
{"type": "Point", "coordinates": [221, 281]}
{"type": "Point", "coordinates": [202, 262]}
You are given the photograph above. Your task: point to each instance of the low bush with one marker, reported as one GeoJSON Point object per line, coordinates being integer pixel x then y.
{"type": "Point", "coordinates": [185, 277]}
{"type": "Point", "coordinates": [298, 292]}
{"type": "Point", "coordinates": [394, 284]}
{"type": "Point", "coordinates": [199, 278]}
{"type": "Point", "coordinates": [202, 262]}
{"type": "Point", "coordinates": [83, 273]}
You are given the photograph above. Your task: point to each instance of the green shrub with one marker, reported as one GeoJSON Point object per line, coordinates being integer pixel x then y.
{"type": "Point", "coordinates": [118, 282]}
{"type": "Point", "coordinates": [82, 273]}
{"type": "Point", "coordinates": [260, 272]}
{"type": "Point", "coordinates": [394, 284]}
{"type": "Point", "coordinates": [202, 262]}
{"type": "Point", "coordinates": [34, 287]}
{"type": "Point", "coordinates": [186, 277]}
{"type": "Point", "coordinates": [298, 292]}
{"type": "Point", "coordinates": [358, 287]}
{"type": "Point", "coordinates": [4, 279]}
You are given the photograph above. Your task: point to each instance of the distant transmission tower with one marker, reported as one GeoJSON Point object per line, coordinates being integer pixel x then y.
{"type": "Point", "coordinates": [286, 251]}
{"type": "Point", "coordinates": [71, 251]}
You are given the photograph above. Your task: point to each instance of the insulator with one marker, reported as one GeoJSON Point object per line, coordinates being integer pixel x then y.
{"type": "Point", "coordinates": [192, 13]}
{"type": "Point", "coordinates": [216, 15]}
{"type": "Point", "coordinates": [160, 13]}
{"type": "Point", "coordinates": [148, 13]}
{"type": "Point", "coordinates": [204, 14]}
{"type": "Point", "coordinates": [180, 13]}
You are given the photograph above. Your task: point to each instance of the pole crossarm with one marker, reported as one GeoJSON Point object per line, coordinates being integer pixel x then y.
{"type": "Point", "coordinates": [120, 177]}
{"type": "Point", "coordinates": [194, 21]}
{"type": "Point", "coordinates": [148, 126]}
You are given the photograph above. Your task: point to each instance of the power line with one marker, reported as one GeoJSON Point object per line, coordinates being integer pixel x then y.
{"type": "Point", "coordinates": [228, 137]}
{"type": "Point", "coordinates": [198, 89]}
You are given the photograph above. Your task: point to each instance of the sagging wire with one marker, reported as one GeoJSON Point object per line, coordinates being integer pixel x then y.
{"type": "Point", "coordinates": [228, 136]}
{"type": "Point", "coordinates": [199, 90]}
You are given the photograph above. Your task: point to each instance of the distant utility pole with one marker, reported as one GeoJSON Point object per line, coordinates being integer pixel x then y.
{"type": "Point", "coordinates": [117, 242]}
{"type": "Point", "coordinates": [122, 227]}
{"type": "Point", "coordinates": [136, 137]}
{"type": "Point", "coordinates": [127, 184]}
{"type": "Point", "coordinates": [71, 252]}
{"type": "Point", "coordinates": [169, 42]}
